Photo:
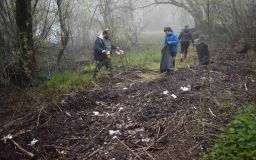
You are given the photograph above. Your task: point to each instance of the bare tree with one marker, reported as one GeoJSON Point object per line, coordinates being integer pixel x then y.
{"type": "Point", "coordinates": [63, 13]}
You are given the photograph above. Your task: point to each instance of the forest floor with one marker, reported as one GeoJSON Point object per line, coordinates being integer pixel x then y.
{"type": "Point", "coordinates": [139, 119]}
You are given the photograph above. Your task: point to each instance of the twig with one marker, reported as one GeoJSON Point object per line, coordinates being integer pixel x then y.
{"type": "Point", "coordinates": [191, 69]}
{"type": "Point", "coordinates": [95, 152]}
{"type": "Point", "coordinates": [212, 113]}
{"type": "Point", "coordinates": [136, 155]}
{"type": "Point", "coordinates": [97, 85]}
{"type": "Point", "coordinates": [22, 149]}
{"type": "Point", "coordinates": [149, 154]}
{"type": "Point", "coordinates": [245, 85]}
{"type": "Point", "coordinates": [39, 114]}
{"type": "Point", "coordinates": [216, 101]}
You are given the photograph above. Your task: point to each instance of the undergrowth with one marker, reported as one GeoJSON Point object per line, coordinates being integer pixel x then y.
{"type": "Point", "coordinates": [66, 82]}
{"type": "Point", "coordinates": [237, 142]}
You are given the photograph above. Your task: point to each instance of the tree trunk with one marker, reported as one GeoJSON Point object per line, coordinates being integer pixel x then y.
{"type": "Point", "coordinates": [25, 50]}
{"type": "Point", "coordinates": [64, 27]}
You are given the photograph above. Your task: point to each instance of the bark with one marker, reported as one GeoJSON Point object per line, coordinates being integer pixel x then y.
{"type": "Point", "coordinates": [25, 50]}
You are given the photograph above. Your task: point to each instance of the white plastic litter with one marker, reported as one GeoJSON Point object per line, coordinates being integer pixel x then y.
{"type": "Point", "coordinates": [62, 102]}
{"type": "Point", "coordinates": [186, 88]}
{"type": "Point", "coordinates": [68, 114]}
{"type": "Point", "coordinates": [129, 119]}
{"type": "Point", "coordinates": [125, 88]}
{"type": "Point", "coordinates": [120, 109]}
{"type": "Point", "coordinates": [145, 140]}
{"type": "Point", "coordinates": [33, 142]}
{"type": "Point", "coordinates": [142, 129]}
{"type": "Point", "coordinates": [112, 132]}
{"type": "Point", "coordinates": [166, 92]}
{"type": "Point", "coordinates": [95, 113]}
{"type": "Point", "coordinates": [5, 138]}
{"type": "Point", "coordinates": [97, 103]}
{"type": "Point", "coordinates": [174, 96]}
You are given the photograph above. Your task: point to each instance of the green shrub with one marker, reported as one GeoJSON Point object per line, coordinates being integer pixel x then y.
{"type": "Point", "coordinates": [238, 142]}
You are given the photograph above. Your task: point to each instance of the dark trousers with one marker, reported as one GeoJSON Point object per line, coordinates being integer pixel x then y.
{"type": "Point", "coordinates": [107, 63]}
{"type": "Point", "coordinates": [173, 54]}
{"type": "Point", "coordinates": [184, 48]}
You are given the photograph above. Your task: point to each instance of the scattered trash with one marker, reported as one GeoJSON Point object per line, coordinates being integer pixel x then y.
{"type": "Point", "coordinates": [63, 102]}
{"type": "Point", "coordinates": [68, 114]}
{"type": "Point", "coordinates": [112, 132]}
{"type": "Point", "coordinates": [95, 113]}
{"type": "Point", "coordinates": [97, 103]}
{"type": "Point", "coordinates": [203, 78]}
{"type": "Point", "coordinates": [5, 138]}
{"type": "Point", "coordinates": [120, 109]}
{"type": "Point", "coordinates": [142, 129]}
{"type": "Point", "coordinates": [115, 137]}
{"type": "Point", "coordinates": [125, 88]}
{"type": "Point", "coordinates": [119, 126]}
{"type": "Point", "coordinates": [129, 119]}
{"type": "Point", "coordinates": [174, 96]}
{"type": "Point", "coordinates": [131, 132]}
{"type": "Point", "coordinates": [33, 142]}
{"type": "Point", "coordinates": [186, 88]}
{"type": "Point", "coordinates": [166, 92]}
{"type": "Point", "coordinates": [145, 140]}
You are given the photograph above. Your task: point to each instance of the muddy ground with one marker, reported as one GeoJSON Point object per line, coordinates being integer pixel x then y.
{"type": "Point", "coordinates": [141, 120]}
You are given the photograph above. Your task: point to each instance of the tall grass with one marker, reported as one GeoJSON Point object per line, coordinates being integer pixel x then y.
{"type": "Point", "coordinates": [66, 82]}
{"type": "Point", "coordinates": [151, 57]}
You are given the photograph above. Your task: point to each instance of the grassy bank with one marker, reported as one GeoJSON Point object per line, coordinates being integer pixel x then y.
{"type": "Point", "coordinates": [150, 59]}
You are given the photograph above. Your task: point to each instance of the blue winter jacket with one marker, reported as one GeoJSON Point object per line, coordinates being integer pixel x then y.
{"type": "Point", "coordinates": [173, 40]}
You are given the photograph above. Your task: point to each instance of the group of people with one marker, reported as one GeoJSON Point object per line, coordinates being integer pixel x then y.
{"type": "Point", "coordinates": [171, 48]}
{"type": "Point", "coordinates": [104, 49]}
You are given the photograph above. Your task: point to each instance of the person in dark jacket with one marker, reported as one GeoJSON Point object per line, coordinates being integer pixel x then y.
{"type": "Point", "coordinates": [185, 38]}
{"type": "Point", "coordinates": [103, 50]}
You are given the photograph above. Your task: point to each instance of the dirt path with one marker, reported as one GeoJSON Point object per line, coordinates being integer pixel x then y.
{"type": "Point", "coordinates": [143, 120]}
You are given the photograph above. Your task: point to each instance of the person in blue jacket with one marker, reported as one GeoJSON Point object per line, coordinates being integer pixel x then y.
{"type": "Point", "coordinates": [172, 39]}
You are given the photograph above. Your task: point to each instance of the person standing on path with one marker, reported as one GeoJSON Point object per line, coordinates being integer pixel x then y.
{"type": "Point", "coordinates": [185, 38]}
{"type": "Point", "coordinates": [169, 51]}
{"type": "Point", "coordinates": [103, 50]}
